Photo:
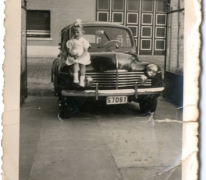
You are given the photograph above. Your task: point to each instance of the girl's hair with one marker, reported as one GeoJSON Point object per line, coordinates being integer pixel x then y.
{"type": "Point", "coordinates": [77, 25]}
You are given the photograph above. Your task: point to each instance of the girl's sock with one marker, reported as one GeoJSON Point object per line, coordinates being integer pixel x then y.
{"type": "Point", "coordinates": [82, 83]}
{"type": "Point", "coordinates": [76, 78]}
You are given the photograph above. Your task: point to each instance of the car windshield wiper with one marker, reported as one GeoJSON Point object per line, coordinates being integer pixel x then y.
{"type": "Point", "coordinates": [106, 36]}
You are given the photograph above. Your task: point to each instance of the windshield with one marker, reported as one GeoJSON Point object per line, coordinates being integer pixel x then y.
{"type": "Point", "coordinates": [107, 37]}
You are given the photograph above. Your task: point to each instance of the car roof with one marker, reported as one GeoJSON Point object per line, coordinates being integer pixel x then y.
{"type": "Point", "coordinates": [95, 23]}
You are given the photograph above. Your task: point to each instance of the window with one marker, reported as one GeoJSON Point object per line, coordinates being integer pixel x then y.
{"type": "Point", "coordinates": [147, 5]}
{"type": "Point", "coordinates": [118, 5]}
{"type": "Point", "coordinates": [147, 18]}
{"type": "Point", "coordinates": [146, 44]}
{"type": "Point", "coordinates": [132, 5]}
{"type": "Point", "coordinates": [117, 17]}
{"type": "Point", "coordinates": [134, 30]}
{"type": "Point", "coordinates": [132, 18]}
{"type": "Point", "coordinates": [100, 35]}
{"type": "Point", "coordinates": [161, 19]}
{"type": "Point", "coordinates": [103, 4]}
{"type": "Point", "coordinates": [160, 45]}
{"type": "Point", "coordinates": [38, 24]}
{"type": "Point", "coordinates": [160, 32]}
{"type": "Point", "coordinates": [161, 6]}
{"type": "Point", "coordinates": [102, 16]}
{"type": "Point", "coordinates": [146, 32]}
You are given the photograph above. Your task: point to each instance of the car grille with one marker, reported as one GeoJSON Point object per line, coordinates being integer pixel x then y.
{"type": "Point", "coordinates": [109, 79]}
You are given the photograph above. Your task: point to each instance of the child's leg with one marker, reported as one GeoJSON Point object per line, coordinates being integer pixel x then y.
{"type": "Point", "coordinates": [82, 74]}
{"type": "Point", "coordinates": [76, 75]}
{"type": "Point", "coordinates": [82, 70]}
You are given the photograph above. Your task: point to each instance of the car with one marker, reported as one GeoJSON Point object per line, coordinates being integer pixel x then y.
{"type": "Point", "coordinates": [115, 75]}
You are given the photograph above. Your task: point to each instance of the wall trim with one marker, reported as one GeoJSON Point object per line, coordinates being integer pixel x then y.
{"type": "Point", "coordinates": [39, 39]}
{"type": "Point", "coordinates": [42, 51]}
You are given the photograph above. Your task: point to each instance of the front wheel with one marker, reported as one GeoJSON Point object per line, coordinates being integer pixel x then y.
{"type": "Point", "coordinates": [66, 108]}
{"type": "Point", "coordinates": [57, 89]}
{"type": "Point", "coordinates": [148, 105]}
{"type": "Point", "coordinates": [69, 106]}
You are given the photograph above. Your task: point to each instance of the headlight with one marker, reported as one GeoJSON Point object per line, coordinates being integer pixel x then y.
{"type": "Point", "coordinates": [88, 81]}
{"type": "Point", "coordinates": [151, 70]}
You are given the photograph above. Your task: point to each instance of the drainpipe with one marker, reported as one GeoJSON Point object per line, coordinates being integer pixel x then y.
{"type": "Point", "coordinates": [178, 35]}
{"type": "Point", "coordinates": [25, 5]}
{"type": "Point", "coordinates": [167, 10]}
{"type": "Point", "coordinates": [170, 45]}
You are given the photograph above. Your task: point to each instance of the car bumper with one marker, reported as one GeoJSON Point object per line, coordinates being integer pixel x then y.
{"type": "Point", "coordinates": [119, 92]}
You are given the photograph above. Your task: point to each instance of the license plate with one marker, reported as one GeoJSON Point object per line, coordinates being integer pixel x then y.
{"type": "Point", "coordinates": [116, 100]}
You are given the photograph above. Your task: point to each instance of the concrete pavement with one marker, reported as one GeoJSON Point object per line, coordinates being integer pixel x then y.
{"type": "Point", "coordinates": [101, 142]}
{"type": "Point", "coordinates": [39, 76]}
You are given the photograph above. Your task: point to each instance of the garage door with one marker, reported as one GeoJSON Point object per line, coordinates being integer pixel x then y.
{"type": "Point", "coordinates": [146, 19]}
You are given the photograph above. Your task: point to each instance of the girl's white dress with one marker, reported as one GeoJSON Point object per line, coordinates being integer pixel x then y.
{"type": "Point", "coordinates": [78, 46]}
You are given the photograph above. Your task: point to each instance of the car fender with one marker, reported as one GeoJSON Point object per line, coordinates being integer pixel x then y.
{"type": "Point", "coordinates": [54, 69]}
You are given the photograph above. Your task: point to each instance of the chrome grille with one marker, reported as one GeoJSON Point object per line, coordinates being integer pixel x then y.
{"type": "Point", "coordinates": [108, 79]}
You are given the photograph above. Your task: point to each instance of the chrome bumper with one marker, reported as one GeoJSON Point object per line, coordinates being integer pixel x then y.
{"type": "Point", "coordinates": [119, 92]}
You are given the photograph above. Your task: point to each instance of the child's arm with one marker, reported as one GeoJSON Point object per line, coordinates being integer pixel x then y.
{"type": "Point", "coordinates": [84, 54]}
{"type": "Point", "coordinates": [70, 52]}
{"type": "Point", "coordinates": [69, 49]}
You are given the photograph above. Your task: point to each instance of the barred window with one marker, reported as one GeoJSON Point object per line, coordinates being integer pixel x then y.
{"type": "Point", "coordinates": [38, 24]}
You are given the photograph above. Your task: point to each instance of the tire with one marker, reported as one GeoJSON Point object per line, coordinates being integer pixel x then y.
{"type": "Point", "coordinates": [52, 78]}
{"type": "Point", "coordinates": [148, 105]}
{"type": "Point", "coordinates": [66, 108]}
{"type": "Point", "coordinates": [57, 90]}
{"type": "Point", "coordinates": [56, 82]}
{"type": "Point", "coordinates": [53, 70]}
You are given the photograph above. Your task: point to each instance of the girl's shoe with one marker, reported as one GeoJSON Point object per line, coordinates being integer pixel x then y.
{"type": "Point", "coordinates": [75, 84]}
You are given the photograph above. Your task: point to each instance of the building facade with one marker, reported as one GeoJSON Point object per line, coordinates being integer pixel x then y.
{"type": "Point", "coordinates": [175, 37]}
{"type": "Point", "coordinates": [146, 18]}
{"type": "Point", "coordinates": [46, 18]}
{"type": "Point", "coordinates": [174, 59]}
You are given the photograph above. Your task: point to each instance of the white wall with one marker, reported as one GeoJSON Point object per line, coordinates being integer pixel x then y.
{"type": "Point", "coordinates": [42, 51]}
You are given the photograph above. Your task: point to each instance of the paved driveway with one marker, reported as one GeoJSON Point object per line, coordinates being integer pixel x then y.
{"type": "Point", "coordinates": [39, 76]}
{"type": "Point", "coordinates": [99, 143]}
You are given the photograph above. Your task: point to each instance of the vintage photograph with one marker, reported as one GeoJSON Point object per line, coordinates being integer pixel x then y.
{"type": "Point", "coordinates": [101, 90]}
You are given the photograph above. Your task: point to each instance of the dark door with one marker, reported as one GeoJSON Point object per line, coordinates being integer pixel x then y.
{"type": "Point", "coordinates": [23, 85]}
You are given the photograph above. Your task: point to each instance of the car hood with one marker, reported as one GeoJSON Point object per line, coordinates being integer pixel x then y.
{"type": "Point", "coordinates": [113, 61]}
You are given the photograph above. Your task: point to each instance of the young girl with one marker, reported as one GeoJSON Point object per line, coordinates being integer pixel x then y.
{"type": "Point", "coordinates": [78, 53]}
